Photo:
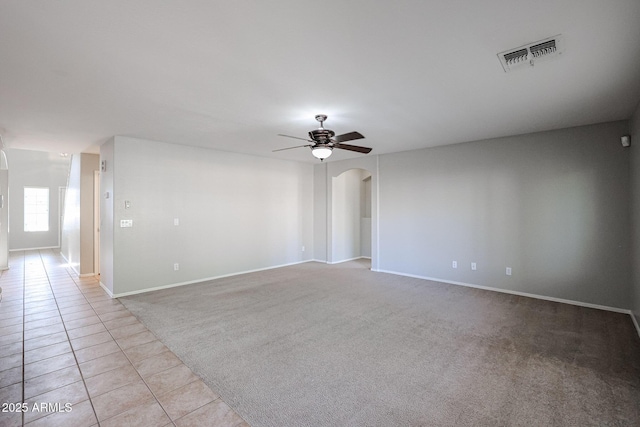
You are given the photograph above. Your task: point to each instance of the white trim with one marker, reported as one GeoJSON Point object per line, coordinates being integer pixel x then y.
{"type": "Point", "coordinates": [523, 294]}
{"type": "Point", "coordinates": [204, 279]}
{"type": "Point", "coordinates": [346, 260]}
{"type": "Point", "coordinates": [69, 266]}
{"type": "Point", "coordinates": [107, 290]}
{"type": "Point", "coordinates": [635, 322]}
{"type": "Point", "coordinates": [34, 249]}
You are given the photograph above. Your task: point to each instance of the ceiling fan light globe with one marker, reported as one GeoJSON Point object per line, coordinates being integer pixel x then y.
{"type": "Point", "coordinates": [321, 152]}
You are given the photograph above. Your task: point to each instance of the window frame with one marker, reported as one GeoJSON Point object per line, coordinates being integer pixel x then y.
{"type": "Point", "coordinates": [35, 209]}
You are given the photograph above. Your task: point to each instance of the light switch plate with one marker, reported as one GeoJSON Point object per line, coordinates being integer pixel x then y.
{"type": "Point", "coordinates": [126, 223]}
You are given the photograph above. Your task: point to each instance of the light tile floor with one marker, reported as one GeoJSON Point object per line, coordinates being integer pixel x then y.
{"type": "Point", "coordinates": [64, 341]}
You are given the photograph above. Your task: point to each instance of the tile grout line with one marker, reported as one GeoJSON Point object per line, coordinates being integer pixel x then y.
{"type": "Point", "coordinates": [134, 366]}
{"type": "Point", "coordinates": [182, 362]}
{"type": "Point", "coordinates": [145, 382]}
{"type": "Point", "coordinates": [85, 287]}
{"type": "Point", "coordinates": [142, 377]}
{"type": "Point", "coordinates": [123, 352]}
{"type": "Point", "coordinates": [46, 272]}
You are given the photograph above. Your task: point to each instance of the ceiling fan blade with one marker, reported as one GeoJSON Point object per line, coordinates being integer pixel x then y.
{"type": "Point", "coordinates": [348, 137]}
{"type": "Point", "coordinates": [295, 137]}
{"type": "Point", "coordinates": [353, 148]}
{"type": "Point", "coordinates": [290, 148]}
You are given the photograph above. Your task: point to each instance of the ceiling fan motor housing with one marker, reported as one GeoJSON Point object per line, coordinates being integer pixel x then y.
{"type": "Point", "coordinates": [321, 135]}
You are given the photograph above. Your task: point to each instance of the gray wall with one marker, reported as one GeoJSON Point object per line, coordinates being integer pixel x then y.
{"type": "Point", "coordinates": [346, 213]}
{"type": "Point", "coordinates": [106, 215]}
{"type": "Point", "coordinates": [34, 169]}
{"type": "Point", "coordinates": [236, 213]}
{"type": "Point", "coordinates": [320, 197]}
{"type": "Point", "coordinates": [553, 206]}
{"type": "Point", "coordinates": [77, 244]}
{"type": "Point", "coordinates": [634, 153]}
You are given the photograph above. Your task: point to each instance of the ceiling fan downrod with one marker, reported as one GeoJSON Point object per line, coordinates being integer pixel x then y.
{"type": "Point", "coordinates": [321, 118]}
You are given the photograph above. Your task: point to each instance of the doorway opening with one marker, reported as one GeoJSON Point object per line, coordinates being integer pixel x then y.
{"type": "Point", "coordinates": [351, 216]}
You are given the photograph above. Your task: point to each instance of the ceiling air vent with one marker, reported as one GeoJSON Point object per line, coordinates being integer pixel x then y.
{"type": "Point", "coordinates": [527, 55]}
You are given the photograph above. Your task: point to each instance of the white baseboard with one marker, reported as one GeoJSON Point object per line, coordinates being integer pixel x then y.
{"type": "Point", "coordinates": [107, 290]}
{"type": "Point", "coordinates": [347, 260]}
{"type": "Point", "coordinates": [64, 257]}
{"type": "Point", "coordinates": [204, 279]}
{"type": "Point", "coordinates": [635, 322]}
{"type": "Point", "coordinates": [507, 291]}
{"type": "Point", "coordinates": [34, 249]}
{"type": "Point", "coordinates": [69, 266]}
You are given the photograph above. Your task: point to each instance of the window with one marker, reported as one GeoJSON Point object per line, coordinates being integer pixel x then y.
{"type": "Point", "coordinates": [36, 209]}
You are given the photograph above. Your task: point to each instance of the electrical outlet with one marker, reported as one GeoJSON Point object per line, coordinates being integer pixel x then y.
{"type": "Point", "coordinates": [176, 267]}
{"type": "Point", "coordinates": [125, 223]}
{"type": "Point", "coordinates": [508, 271]}
{"type": "Point", "coordinates": [454, 264]}
{"type": "Point", "coordinates": [473, 266]}
{"type": "Point", "coordinates": [176, 221]}
{"type": "Point", "coordinates": [303, 249]}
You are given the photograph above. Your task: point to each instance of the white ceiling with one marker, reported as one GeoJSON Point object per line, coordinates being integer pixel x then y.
{"type": "Point", "coordinates": [231, 75]}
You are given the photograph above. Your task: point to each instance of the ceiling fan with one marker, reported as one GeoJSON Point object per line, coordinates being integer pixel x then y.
{"type": "Point", "coordinates": [323, 141]}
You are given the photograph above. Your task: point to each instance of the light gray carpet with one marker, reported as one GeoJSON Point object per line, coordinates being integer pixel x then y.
{"type": "Point", "coordinates": [337, 345]}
